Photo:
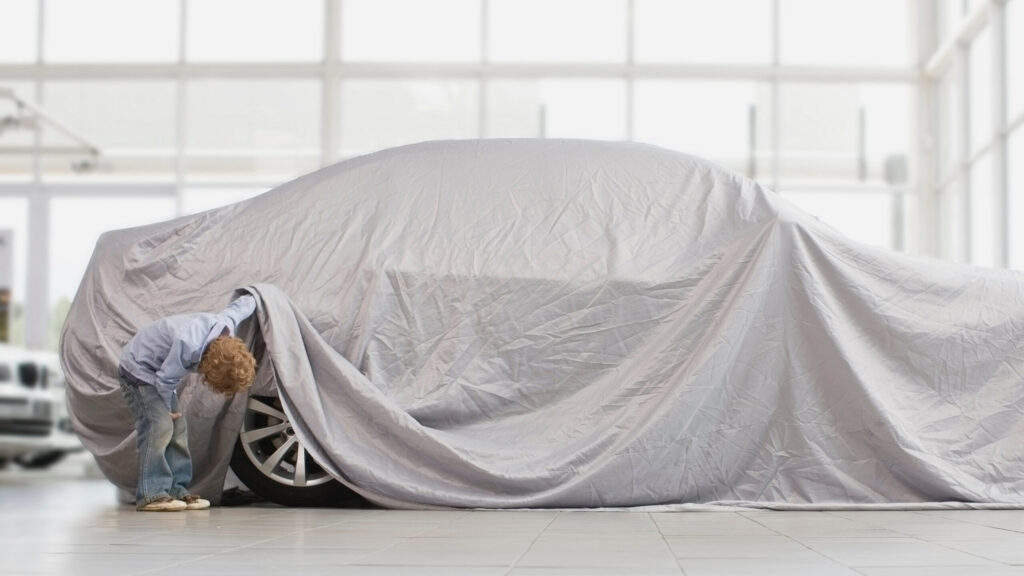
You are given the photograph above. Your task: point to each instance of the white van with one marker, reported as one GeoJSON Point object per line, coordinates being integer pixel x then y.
{"type": "Point", "coordinates": [35, 430]}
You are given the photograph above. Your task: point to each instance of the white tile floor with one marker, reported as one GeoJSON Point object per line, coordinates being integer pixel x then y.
{"type": "Point", "coordinates": [71, 526]}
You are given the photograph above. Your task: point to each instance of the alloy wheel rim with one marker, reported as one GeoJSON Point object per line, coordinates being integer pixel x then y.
{"type": "Point", "coordinates": [269, 442]}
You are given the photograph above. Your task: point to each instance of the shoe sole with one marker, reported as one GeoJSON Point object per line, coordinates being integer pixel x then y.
{"type": "Point", "coordinates": [163, 508]}
{"type": "Point", "coordinates": [202, 505]}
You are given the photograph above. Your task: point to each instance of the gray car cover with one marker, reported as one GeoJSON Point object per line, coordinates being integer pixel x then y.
{"type": "Point", "coordinates": [573, 324]}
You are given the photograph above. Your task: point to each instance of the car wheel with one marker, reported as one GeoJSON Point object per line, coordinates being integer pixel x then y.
{"type": "Point", "coordinates": [39, 460]}
{"type": "Point", "coordinates": [271, 461]}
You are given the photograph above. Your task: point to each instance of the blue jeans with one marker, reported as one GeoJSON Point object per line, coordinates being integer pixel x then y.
{"type": "Point", "coordinates": [165, 466]}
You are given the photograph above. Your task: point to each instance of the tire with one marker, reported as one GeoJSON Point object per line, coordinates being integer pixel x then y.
{"type": "Point", "coordinates": [266, 458]}
{"type": "Point", "coordinates": [39, 460]}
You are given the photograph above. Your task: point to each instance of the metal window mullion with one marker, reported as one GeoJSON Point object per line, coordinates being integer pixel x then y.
{"type": "Point", "coordinates": [274, 70]}
{"type": "Point", "coordinates": [963, 152]}
{"type": "Point", "coordinates": [926, 134]}
{"type": "Point", "coordinates": [38, 76]}
{"type": "Point", "coordinates": [827, 187]}
{"type": "Point", "coordinates": [338, 74]}
{"type": "Point", "coordinates": [483, 97]}
{"type": "Point", "coordinates": [110, 190]}
{"type": "Point", "coordinates": [776, 105]}
{"type": "Point", "coordinates": [22, 191]}
{"type": "Point", "coordinates": [929, 173]}
{"type": "Point", "coordinates": [330, 121]}
{"type": "Point", "coordinates": [181, 112]}
{"type": "Point", "coordinates": [197, 184]}
{"type": "Point", "coordinates": [970, 26]}
{"type": "Point", "coordinates": [1000, 184]}
{"type": "Point", "coordinates": [629, 76]}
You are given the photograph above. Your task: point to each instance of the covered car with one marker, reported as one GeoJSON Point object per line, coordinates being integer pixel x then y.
{"type": "Point", "coordinates": [552, 323]}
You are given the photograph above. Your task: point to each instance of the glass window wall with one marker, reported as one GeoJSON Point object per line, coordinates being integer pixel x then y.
{"type": "Point", "coordinates": [844, 132]}
{"type": "Point", "coordinates": [260, 97]}
{"type": "Point", "coordinates": [864, 216]}
{"type": "Point", "coordinates": [207, 198]}
{"type": "Point", "coordinates": [980, 74]}
{"type": "Point", "coordinates": [557, 30]}
{"type": "Point", "coordinates": [571, 108]}
{"type": "Point", "coordinates": [18, 31]}
{"type": "Point", "coordinates": [713, 119]}
{"type": "Point", "coordinates": [434, 31]}
{"type": "Point", "coordinates": [703, 32]}
{"type": "Point", "coordinates": [254, 30]}
{"type": "Point", "coordinates": [111, 30]}
{"type": "Point", "coordinates": [75, 225]}
{"type": "Point", "coordinates": [862, 33]}
{"type": "Point", "coordinates": [378, 114]}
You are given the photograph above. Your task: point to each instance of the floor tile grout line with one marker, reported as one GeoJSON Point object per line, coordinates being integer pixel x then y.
{"type": "Point", "coordinates": [801, 543]}
{"type": "Point", "coordinates": [943, 545]}
{"type": "Point", "coordinates": [355, 561]}
{"type": "Point", "coordinates": [679, 564]}
{"type": "Point", "coordinates": [203, 557]}
{"type": "Point", "coordinates": [224, 552]}
{"type": "Point", "coordinates": [902, 535]}
{"type": "Point", "coordinates": [945, 517]}
{"type": "Point", "coordinates": [130, 541]}
{"type": "Point", "coordinates": [925, 516]}
{"type": "Point", "coordinates": [515, 563]}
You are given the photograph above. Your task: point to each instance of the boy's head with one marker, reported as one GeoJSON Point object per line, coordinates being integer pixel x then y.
{"type": "Point", "coordinates": [227, 366]}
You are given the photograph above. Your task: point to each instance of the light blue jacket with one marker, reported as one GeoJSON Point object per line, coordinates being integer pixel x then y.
{"type": "Point", "coordinates": [162, 353]}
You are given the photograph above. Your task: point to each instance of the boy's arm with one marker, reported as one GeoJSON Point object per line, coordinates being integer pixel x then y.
{"type": "Point", "coordinates": [239, 309]}
{"type": "Point", "coordinates": [171, 372]}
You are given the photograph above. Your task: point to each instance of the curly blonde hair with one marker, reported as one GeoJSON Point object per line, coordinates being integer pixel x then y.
{"type": "Point", "coordinates": [227, 365]}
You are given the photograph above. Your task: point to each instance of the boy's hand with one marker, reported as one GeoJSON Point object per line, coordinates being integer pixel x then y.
{"type": "Point", "coordinates": [175, 415]}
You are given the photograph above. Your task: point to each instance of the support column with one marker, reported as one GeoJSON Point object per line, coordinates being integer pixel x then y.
{"type": "Point", "coordinates": [37, 278]}
{"type": "Point", "coordinates": [37, 305]}
{"type": "Point", "coordinates": [329, 89]}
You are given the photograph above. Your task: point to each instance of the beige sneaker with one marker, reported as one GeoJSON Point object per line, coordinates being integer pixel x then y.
{"type": "Point", "coordinates": [165, 504]}
{"type": "Point", "coordinates": [194, 502]}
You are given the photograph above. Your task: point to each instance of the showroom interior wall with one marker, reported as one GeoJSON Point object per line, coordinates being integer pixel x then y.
{"type": "Point", "coordinates": [896, 121]}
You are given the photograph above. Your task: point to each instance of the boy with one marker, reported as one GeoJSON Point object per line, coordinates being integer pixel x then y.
{"type": "Point", "coordinates": [152, 365]}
